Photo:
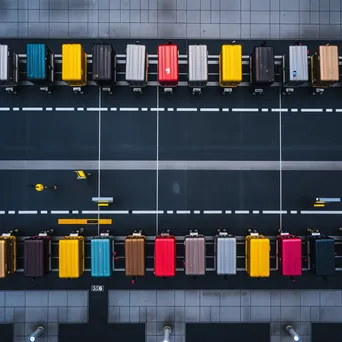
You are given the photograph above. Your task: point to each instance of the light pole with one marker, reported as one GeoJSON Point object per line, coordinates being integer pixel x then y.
{"type": "Point", "coordinates": [292, 333]}
{"type": "Point", "coordinates": [37, 333]}
{"type": "Point", "coordinates": [167, 332]}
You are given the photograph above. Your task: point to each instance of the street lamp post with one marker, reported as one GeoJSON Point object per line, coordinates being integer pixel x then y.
{"type": "Point", "coordinates": [37, 333]}
{"type": "Point", "coordinates": [292, 333]}
{"type": "Point", "coordinates": [167, 331]}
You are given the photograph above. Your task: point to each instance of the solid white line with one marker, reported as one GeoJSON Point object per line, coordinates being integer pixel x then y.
{"type": "Point", "coordinates": [75, 211]}
{"type": "Point", "coordinates": [293, 211]}
{"type": "Point", "coordinates": [294, 109]}
{"type": "Point", "coordinates": [181, 212]}
{"type": "Point", "coordinates": [241, 211]}
{"type": "Point", "coordinates": [329, 212]}
{"type": "Point", "coordinates": [117, 212]}
{"type": "Point", "coordinates": [245, 109]}
{"type": "Point", "coordinates": [209, 109]}
{"type": "Point", "coordinates": [274, 212]}
{"type": "Point", "coordinates": [128, 109]}
{"type": "Point", "coordinates": [4, 109]}
{"type": "Point", "coordinates": [27, 212]}
{"type": "Point", "coordinates": [170, 109]}
{"type": "Point", "coordinates": [196, 212]}
{"type": "Point", "coordinates": [228, 212]}
{"type": "Point", "coordinates": [11, 212]}
{"type": "Point", "coordinates": [48, 109]}
{"type": "Point", "coordinates": [157, 160]}
{"type": "Point", "coordinates": [2, 212]}
{"type": "Point", "coordinates": [99, 109]}
{"type": "Point", "coordinates": [256, 211]}
{"type": "Point", "coordinates": [43, 211]}
{"type": "Point", "coordinates": [338, 110]}
{"type": "Point", "coordinates": [16, 108]}
{"type": "Point", "coordinates": [32, 108]}
{"type": "Point", "coordinates": [225, 109]}
{"type": "Point", "coordinates": [186, 109]}
{"type": "Point", "coordinates": [80, 109]}
{"type": "Point", "coordinates": [215, 212]}
{"type": "Point", "coordinates": [64, 109]}
{"type": "Point", "coordinates": [113, 109]}
{"type": "Point", "coordinates": [60, 212]}
{"type": "Point", "coordinates": [148, 212]}
{"type": "Point", "coordinates": [169, 212]}
{"type": "Point", "coordinates": [282, 110]}
{"type": "Point", "coordinates": [99, 156]}
{"type": "Point", "coordinates": [144, 109]}
{"type": "Point", "coordinates": [312, 110]}
{"type": "Point", "coordinates": [264, 109]}
{"type": "Point", "coordinates": [280, 163]}
{"type": "Point", "coordinates": [157, 109]}
{"type": "Point", "coordinates": [329, 110]}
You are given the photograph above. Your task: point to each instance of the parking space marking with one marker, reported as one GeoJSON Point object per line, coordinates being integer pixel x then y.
{"type": "Point", "coordinates": [60, 212]}
{"type": "Point", "coordinates": [241, 211]}
{"type": "Point", "coordinates": [183, 212]}
{"type": "Point", "coordinates": [271, 212]}
{"type": "Point", "coordinates": [311, 110]}
{"type": "Point", "coordinates": [186, 109]}
{"type": "Point", "coordinates": [27, 212]}
{"type": "Point", "coordinates": [245, 109]}
{"type": "Point", "coordinates": [256, 212]}
{"type": "Point", "coordinates": [64, 109]}
{"type": "Point", "coordinates": [4, 109]}
{"type": "Point", "coordinates": [129, 109]}
{"type": "Point", "coordinates": [32, 109]}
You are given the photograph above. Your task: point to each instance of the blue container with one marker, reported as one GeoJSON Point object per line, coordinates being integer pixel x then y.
{"type": "Point", "coordinates": [101, 257]}
{"type": "Point", "coordinates": [38, 59]}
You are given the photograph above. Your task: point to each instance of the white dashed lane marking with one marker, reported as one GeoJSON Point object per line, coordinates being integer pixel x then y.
{"type": "Point", "coordinates": [178, 212]}
{"type": "Point", "coordinates": [144, 109]}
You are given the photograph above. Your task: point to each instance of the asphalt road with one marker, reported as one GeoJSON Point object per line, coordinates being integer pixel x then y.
{"type": "Point", "coordinates": [213, 127]}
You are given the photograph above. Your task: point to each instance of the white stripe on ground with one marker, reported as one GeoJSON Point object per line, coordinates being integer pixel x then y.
{"type": "Point", "coordinates": [209, 109]}
{"type": "Point", "coordinates": [321, 212]}
{"type": "Point", "coordinates": [64, 109]}
{"type": "Point", "coordinates": [129, 109]}
{"type": "Point", "coordinates": [147, 212]}
{"type": "Point", "coordinates": [32, 109]}
{"type": "Point", "coordinates": [183, 212]}
{"type": "Point", "coordinates": [312, 110]}
{"type": "Point", "coordinates": [245, 109]}
{"type": "Point", "coordinates": [44, 212]}
{"type": "Point", "coordinates": [241, 211]}
{"type": "Point", "coordinates": [186, 109]}
{"type": "Point", "coordinates": [27, 212]}
{"type": "Point", "coordinates": [214, 212]}
{"type": "Point", "coordinates": [60, 212]}
{"type": "Point", "coordinates": [293, 211]}
{"type": "Point", "coordinates": [271, 212]}
{"type": "Point", "coordinates": [256, 212]}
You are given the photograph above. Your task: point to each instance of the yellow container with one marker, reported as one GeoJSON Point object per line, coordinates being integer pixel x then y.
{"type": "Point", "coordinates": [71, 257]}
{"type": "Point", "coordinates": [257, 258]}
{"type": "Point", "coordinates": [230, 65]}
{"type": "Point", "coordinates": [74, 65]}
{"type": "Point", "coordinates": [8, 255]}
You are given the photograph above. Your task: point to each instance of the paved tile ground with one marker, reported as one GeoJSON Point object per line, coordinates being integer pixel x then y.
{"type": "Point", "coordinates": [155, 308]}
{"type": "Point", "coordinates": [228, 19]}
{"type": "Point", "coordinates": [28, 309]}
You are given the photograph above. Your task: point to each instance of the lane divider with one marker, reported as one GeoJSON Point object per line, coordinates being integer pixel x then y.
{"type": "Point", "coordinates": [181, 109]}
{"type": "Point", "coordinates": [171, 212]}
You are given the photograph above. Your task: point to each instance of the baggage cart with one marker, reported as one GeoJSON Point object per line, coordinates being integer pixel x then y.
{"type": "Point", "coordinates": [168, 67]}
{"type": "Point", "coordinates": [102, 255]}
{"type": "Point", "coordinates": [295, 68]}
{"type": "Point", "coordinates": [135, 255]}
{"type": "Point", "coordinates": [37, 255]}
{"type": "Point", "coordinates": [40, 66]}
{"type": "Point", "coordinates": [289, 255]}
{"type": "Point", "coordinates": [9, 69]}
{"type": "Point", "coordinates": [321, 254]}
{"type": "Point", "coordinates": [74, 66]}
{"type": "Point", "coordinates": [261, 68]}
{"type": "Point", "coordinates": [230, 67]}
{"type": "Point", "coordinates": [8, 254]}
{"type": "Point", "coordinates": [194, 262]}
{"type": "Point", "coordinates": [136, 74]}
{"type": "Point", "coordinates": [71, 256]}
{"type": "Point", "coordinates": [104, 66]}
{"type": "Point", "coordinates": [198, 68]}
{"type": "Point", "coordinates": [324, 68]}
{"type": "Point", "coordinates": [257, 255]}
{"type": "Point", "coordinates": [165, 255]}
{"type": "Point", "coordinates": [225, 253]}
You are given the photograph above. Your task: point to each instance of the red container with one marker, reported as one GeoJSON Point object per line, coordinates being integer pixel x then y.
{"type": "Point", "coordinates": [168, 65]}
{"type": "Point", "coordinates": [289, 255]}
{"type": "Point", "coordinates": [165, 256]}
